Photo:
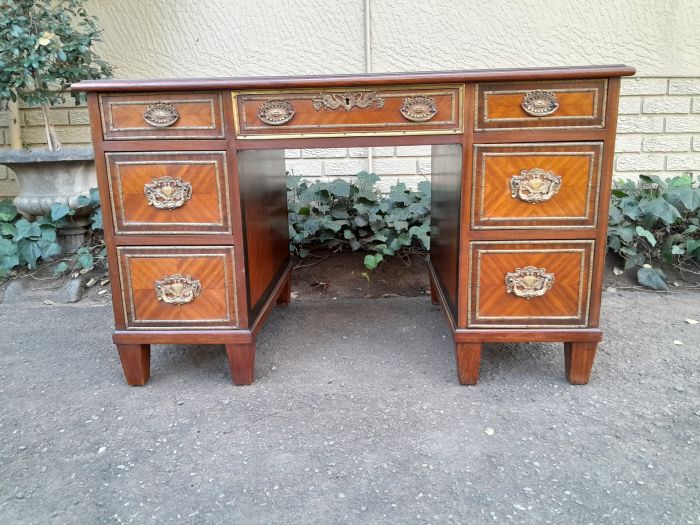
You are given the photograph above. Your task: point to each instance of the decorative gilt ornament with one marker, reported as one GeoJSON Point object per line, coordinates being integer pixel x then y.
{"type": "Point", "coordinates": [529, 282]}
{"type": "Point", "coordinates": [535, 185]}
{"type": "Point", "coordinates": [540, 103]}
{"type": "Point", "coordinates": [276, 112]}
{"type": "Point", "coordinates": [418, 109]}
{"type": "Point", "coordinates": [167, 193]}
{"type": "Point", "coordinates": [161, 115]}
{"type": "Point", "coordinates": [177, 289]}
{"type": "Point", "coordinates": [348, 100]}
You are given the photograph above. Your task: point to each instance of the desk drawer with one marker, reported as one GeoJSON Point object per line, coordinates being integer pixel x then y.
{"type": "Point", "coordinates": [162, 116]}
{"type": "Point", "coordinates": [533, 105]}
{"type": "Point", "coordinates": [536, 185]}
{"type": "Point", "coordinates": [530, 284]}
{"type": "Point", "coordinates": [343, 112]}
{"type": "Point", "coordinates": [163, 192]}
{"type": "Point", "coordinates": [178, 287]}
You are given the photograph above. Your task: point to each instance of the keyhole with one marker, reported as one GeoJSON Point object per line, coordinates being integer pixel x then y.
{"type": "Point", "coordinates": [347, 101]}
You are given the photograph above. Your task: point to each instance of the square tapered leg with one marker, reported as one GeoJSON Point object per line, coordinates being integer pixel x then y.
{"type": "Point", "coordinates": [578, 361]}
{"type": "Point", "coordinates": [136, 362]}
{"type": "Point", "coordinates": [468, 362]}
{"type": "Point", "coordinates": [241, 358]}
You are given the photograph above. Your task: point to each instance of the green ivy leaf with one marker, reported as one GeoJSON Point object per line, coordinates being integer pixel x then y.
{"type": "Point", "coordinates": [30, 252]}
{"type": "Point", "coordinates": [85, 259]}
{"type": "Point", "coordinates": [693, 246]}
{"type": "Point", "coordinates": [8, 212]}
{"type": "Point", "coordinates": [60, 269]}
{"type": "Point", "coordinates": [371, 261]}
{"type": "Point", "coordinates": [60, 210]}
{"type": "Point", "coordinates": [340, 188]}
{"type": "Point", "coordinates": [27, 230]}
{"type": "Point", "coordinates": [662, 209]}
{"type": "Point", "coordinates": [646, 234]}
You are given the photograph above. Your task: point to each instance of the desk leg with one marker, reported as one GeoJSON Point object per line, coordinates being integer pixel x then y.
{"type": "Point", "coordinates": [241, 358]}
{"type": "Point", "coordinates": [468, 361]}
{"type": "Point", "coordinates": [433, 292]}
{"type": "Point", "coordinates": [578, 361]}
{"type": "Point", "coordinates": [285, 296]}
{"type": "Point", "coordinates": [136, 362]}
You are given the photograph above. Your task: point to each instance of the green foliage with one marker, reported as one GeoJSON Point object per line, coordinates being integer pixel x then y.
{"type": "Point", "coordinates": [655, 218]}
{"type": "Point", "coordinates": [24, 243]}
{"type": "Point", "coordinates": [357, 215]}
{"type": "Point", "coordinates": [45, 45]}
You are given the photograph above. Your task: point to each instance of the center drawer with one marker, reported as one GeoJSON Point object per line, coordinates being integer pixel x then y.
{"type": "Point", "coordinates": [191, 287]}
{"type": "Point", "coordinates": [351, 111]}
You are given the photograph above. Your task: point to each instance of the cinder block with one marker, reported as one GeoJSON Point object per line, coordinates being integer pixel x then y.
{"type": "Point", "coordinates": [383, 151]}
{"type": "Point", "coordinates": [630, 105]}
{"type": "Point", "coordinates": [663, 143]}
{"type": "Point", "coordinates": [689, 162]}
{"type": "Point", "coordinates": [684, 86]}
{"type": "Point", "coordinates": [687, 124]}
{"type": "Point", "coordinates": [324, 153]}
{"type": "Point", "coordinates": [696, 143]}
{"type": "Point", "coordinates": [628, 143]}
{"type": "Point", "coordinates": [358, 152]}
{"type": "Point", "coordinates": [425, 166]}
{"type": "Point", "coordinates": [396, 166]}
{"type": "Point", "coordinates": [696, 105]}
{"type": "Point", "coordinates": [335, 167]}
{"type": "Point", "coordinates": [79, 117]}
{"type": "Point", "coordinates": [34, 135]}
{"type": "Point", "coordinates": [640, 124]}
{"type": "Point", "coordinates": [4, 119]}
{"type": "Point", "coordinates": [413, 151]}
{"type": "Point", "coordinates": [666, 105]}
{"type": "Point", "coordinates": [73, 134]}
{"type": "Point", "coordinates": [639, 162]}
{"type": "Point", "coordinates": [643, 86]}
{"type": "Point", "coordinates": [305, 167]}
{"type": "Point", "coordinates": [292, 153]}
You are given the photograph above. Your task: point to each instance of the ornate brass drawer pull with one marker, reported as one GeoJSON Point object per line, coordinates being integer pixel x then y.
{"type": "Point", "coordinates": [167, 193]}
{"type": "Point", "coordinates": [177, 289]}
{"type": "Point", "coordinates": [348, 100]}
{"type": "Point", "coordinates": [539, 103]}
{"type": "Point", "coordinates": [276, 112]}
{"type": "Point", "coordinates": [529, 282]}
{"type": "Point", "coordinates": [535, 185]}
{"type": "Point", "coordinates": [161, 115]}
{"type": "Point", "coordinates": [418, 109]}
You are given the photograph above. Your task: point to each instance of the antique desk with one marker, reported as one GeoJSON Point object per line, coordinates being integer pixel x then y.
{"type": "Point", "coordinates": [192, 182]}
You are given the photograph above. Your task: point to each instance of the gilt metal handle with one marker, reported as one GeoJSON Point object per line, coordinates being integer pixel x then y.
{"type": "Point", "coordinates": [167, 193]}
{"type": "Point", "coordinates": [177, 289]}
{"type": "Point", "coordinates": [276, 112]}
{"type": "Point", "coordinates": [529, 282]}
{"type": "Point", "coordinates": [161, 115]}
{"type": "Point", "coordinates": [535, 185]}
{"type": "Point", "coordinates": [418, 109]}
{"type": "Point", "coordinates": [539, 103]}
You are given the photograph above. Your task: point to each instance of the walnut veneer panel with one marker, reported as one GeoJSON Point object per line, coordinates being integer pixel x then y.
{"type": "Point", "coordinates": [581, 104]}
{"type": "Point", "coordinates": [169, 192]}
{"type": "Point", "coordinates": [536, 185]}
{"type": "Point", "coordinates": [199, 116]}
{"type": "Point", "coordinates": [565, 304]}
{"type": "Point", "coordinates": [362, 111]}
{"type": "Point", "coordinates": [140, 270]}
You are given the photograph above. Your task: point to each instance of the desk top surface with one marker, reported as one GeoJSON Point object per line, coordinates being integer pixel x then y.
{"type": "Point", "coordinates": [354, 80]}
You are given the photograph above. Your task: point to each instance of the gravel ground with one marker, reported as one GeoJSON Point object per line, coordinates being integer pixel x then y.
{"type": "Point", "coordinates": [355, 417]}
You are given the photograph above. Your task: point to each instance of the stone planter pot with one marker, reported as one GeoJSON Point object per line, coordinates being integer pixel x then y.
{"type": "Point", "coordinates": [46, 177]}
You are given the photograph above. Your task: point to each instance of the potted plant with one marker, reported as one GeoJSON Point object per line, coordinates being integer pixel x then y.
{"type": "Point", "coordinates": [45, 45]}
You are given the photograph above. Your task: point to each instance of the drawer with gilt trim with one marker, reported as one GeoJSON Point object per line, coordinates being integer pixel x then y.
{"type": "Point", "coordinates": [536, 185]}
{"type": "Point", "coordinates": [348, 112]}
{"type": "Point", "coordinates": [181, 287]}
{"type": "Point", "coordinates": [169, 192]}
{"type": "Point", "coordinates": [162, 116]}
{"type": "Point", "coordinates": [519, 284]}
{"type": "Point", "coordinates": [535, 105]}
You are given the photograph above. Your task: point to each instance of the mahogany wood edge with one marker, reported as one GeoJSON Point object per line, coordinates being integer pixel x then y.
{"type": "Point", "coordinates": [441, 297]}
{"type": "Point", "coordinates": [539, 335]}
{"type": "Point", "coordinates": [271, 300]}
{"type": "Point", "coordinates": [350, 80]}
{"type": "Point", "coordinates": [136, 363]}
{"type": "Point", "coordinates": [426, 139]}
{"type": "Point", "coordinates": [175, 336]}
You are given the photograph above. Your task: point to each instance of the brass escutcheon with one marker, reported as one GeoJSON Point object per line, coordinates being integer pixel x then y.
{"type": "Point", "coordinates": [167, 193]}
{"type": "Point", "coordinates": [539, 103]}
{"type": "Point", "coordinates": [177, 289]}
{"type": "Point", "coordinates": [161, 115]}
{"type": "Point", "coordinates": [276, 112]}
{"type": "Point", "coordinates": [418, 109]}
{"type": "Point", "coordinates": [529, 282]}
{"type": "Point", "coordinates": [534, 185]}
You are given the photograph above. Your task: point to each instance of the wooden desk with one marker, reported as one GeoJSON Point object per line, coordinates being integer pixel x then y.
{"type": "Point", "coordinates": [192, 183]}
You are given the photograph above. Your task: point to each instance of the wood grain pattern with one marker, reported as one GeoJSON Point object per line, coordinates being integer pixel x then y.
{"type": "Point", "coordinates": [574, 205]}
{"type": "Point", "coordinates": [578, 361]}
{"type": "Point", "coordinates": [581, 105]}
{"type": "Point", "coordinates": [207, 211]}
{"type": "Point", "coordinates": [385, 120]}
{"type": "Point", "coordinates": [468, 357]}
{"type": "Point", "coordinates": [140, 268]}
{"type": "Point", "coordinates": [136, 363]}
{"type": "Point", "coordinates": [566, 304]}
{"type": "Point", "coordinates": [200, 116]}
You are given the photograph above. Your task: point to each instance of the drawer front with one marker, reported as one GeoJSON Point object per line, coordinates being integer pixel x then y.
{"type": "Point", "coordinates": [178, 287]}
{"type": "Point", "coordinates": [536, 185]}
{"type": "Point", "coordinates": [159, 193]}
{"type": "Point", "coordinates": [533, 105]}
{"type": "Point", "coordinates": [347, 112]}
{"type": "Point", "coordinates": [530, 284]}
{"type": "Point", "coordinates": [162, 116]}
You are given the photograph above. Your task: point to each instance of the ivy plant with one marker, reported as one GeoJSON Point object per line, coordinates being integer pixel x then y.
{"type": "Point", "coordinates": [46, 45]}
{"type": "Point", "coordinates": [356, 215]}
{"type": "Point", "coordinates": [655, 218]}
